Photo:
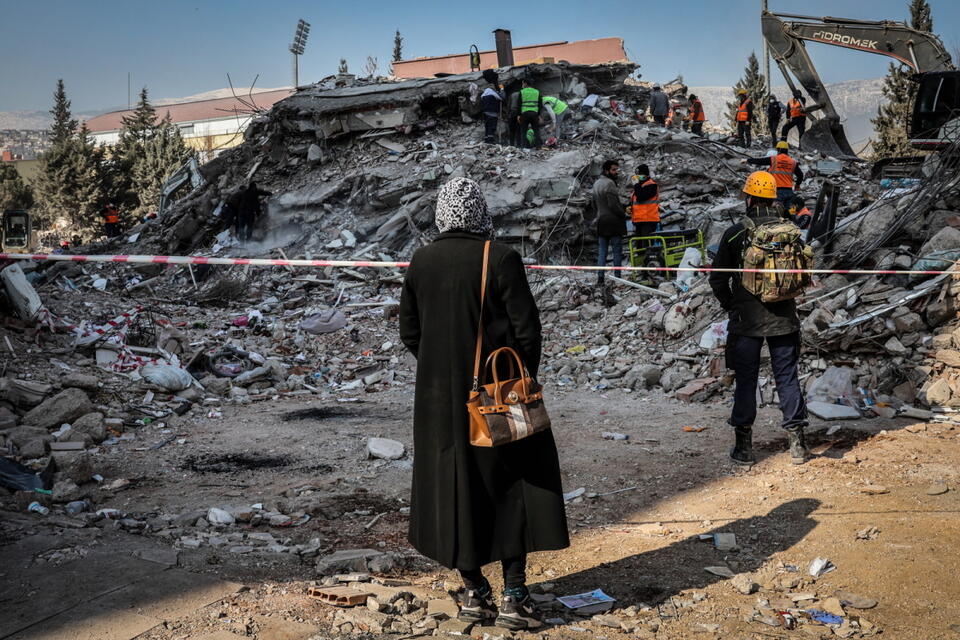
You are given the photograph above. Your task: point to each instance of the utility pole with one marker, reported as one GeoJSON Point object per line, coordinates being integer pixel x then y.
{"type": "Point", "coordinates": [297, 47]}
{"type": "Point", "coordinates": [766, 51]}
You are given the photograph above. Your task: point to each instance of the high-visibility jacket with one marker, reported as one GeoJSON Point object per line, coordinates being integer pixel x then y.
{"type": "Point", "coordinates": [743, 115]}
{"type": "Point", "coordinates": [111, 216]}
{"type": "Point", "coordinates": [696, 112]}
{"type": "Point", "coordinates": [556, 104]}
{"type": "Point", "coordinates": [647, 210]}
{"type": "Point", "coordinates": [529, 100]}
{"type": "Point", "coordinates": [782, 167]}
{"type": "Point", "coordinates": [796, 109]}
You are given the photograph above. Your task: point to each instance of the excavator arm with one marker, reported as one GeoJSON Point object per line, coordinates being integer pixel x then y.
{"type": "Point", "coordinates": [921, 51]}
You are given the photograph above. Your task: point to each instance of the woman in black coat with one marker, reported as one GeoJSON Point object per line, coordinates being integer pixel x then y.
{"type": "Point", "coordinates": [474, 505]}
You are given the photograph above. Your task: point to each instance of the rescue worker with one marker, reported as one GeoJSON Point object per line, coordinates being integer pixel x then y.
{"type": "Point", "coordinates": [697, 116]}
{"type": "Point", "coordinates": [557, 109]}
{"type": "Point", "coordinates": [611, 218]}
{"type": "Point", "coordinates": [111, 220]}
{"type": "Point", "coordinates": [249, 210]}
{"type": "Point", "coordinates": [645, 203]}
{"type": "Point", "coordinates": [774, 114]}
{"type": "Point", "coordinates": [786, 171]}
{"type": "Point", "coordinates": [659, 105]}
{"type": "Point", "coordinates": [513, 115]}
{"type": "Point", "coordinates": [491, 103]}
{"type": "Point", "coordinates": [799, 213]}
{"type": "Point", "coordinates": [751, 322]}
{"type": "Point", "coordinates": [796, 117]}
{"type": "Point", "coordinates": [744, 119]}
{"type": "Point", "coordinates": [531, 102]}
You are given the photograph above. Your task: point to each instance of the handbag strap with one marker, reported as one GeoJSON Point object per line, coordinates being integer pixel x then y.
{"type": "Point", "coordinates": [483, 295]}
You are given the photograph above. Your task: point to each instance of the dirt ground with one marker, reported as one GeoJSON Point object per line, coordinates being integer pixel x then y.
{"type": "Point", "coordinates": [664, 487]}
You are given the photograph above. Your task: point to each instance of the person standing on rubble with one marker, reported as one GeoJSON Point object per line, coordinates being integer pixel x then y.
{"type": "Point", "coordinates": [557, 109]}
{"type": "Point", "coordinates": [249, 210]}
{"type": "Point", "coordinates": [611, 218]}
{"type": "Point", "coordinates": [785, 170]}
{"type": "Point", "coordinates": [645, 203]}
{"type": "Point", "coordinates": [659, 105]}
{"type": "Point", "coordinates": [471, 506]}
{"type": "Point", "coordinates": [751, 322]}
{"type": "Point", "coordinates": [697, 116]}
{"type": "Point", "coordinates": [513, 118]}
{"type": "Point", "coordinates": [774, 113]}
{"type": "Point", "coordinates": [744, 119]}
{"type": "Point", "coordinates": [491, 102]}
{"type": "Point", "coordinates": [796, 117]}
{"type": "Point", "coordinates": [531, 102]}
{"type": "Point", "coordinates": [110, 215]}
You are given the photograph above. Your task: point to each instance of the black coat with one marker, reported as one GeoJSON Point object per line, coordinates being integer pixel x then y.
{"type": "Point", "coordinates": [473, 505]}
{"type": "Point", "coordinates": [748, 315]}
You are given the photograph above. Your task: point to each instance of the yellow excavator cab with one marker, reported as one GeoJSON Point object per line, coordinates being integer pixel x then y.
{"type": "Point", "coordinates": [16, 232]}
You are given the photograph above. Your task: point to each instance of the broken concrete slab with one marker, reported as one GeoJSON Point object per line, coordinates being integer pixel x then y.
{"type": "Point", "coordinates": [826, 411]}
{"type": "Point", "coordinates": [346, 561]}
{"type": "Point", "coordinates": [66, 406]}
{"type": "Point", "coordinates": [385, 448]}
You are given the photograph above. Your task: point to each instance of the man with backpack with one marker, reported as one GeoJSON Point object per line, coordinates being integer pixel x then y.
{"type": "Point", "coordinates": [774, 113]}
{"type": "Point", "coordinates": [761, 308]}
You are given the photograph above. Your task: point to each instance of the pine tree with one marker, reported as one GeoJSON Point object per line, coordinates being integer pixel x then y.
{"type": "Point", "coordinates": [69, 184]}
{"type": "Point", "coordinates": [893, 116]}
{"type": "Point", "coordinates": [64, 126]}
{"type": "Point", "coordinates": [14, 192]}
{"type": "Point", "coordinates": [141, 124]}
{"type": "Point", "coordinates": [137, 129]}
{"type": "Point", "coordinates": [162, 154]}
{"type": "Point", "coordinates": [756, 87]}
{"type": "Point", "coordinates": [343, 66]}
{"type": "Point", "coordinates": [397, 47]}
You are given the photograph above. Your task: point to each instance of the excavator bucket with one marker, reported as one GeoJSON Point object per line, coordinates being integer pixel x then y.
{"type": "Point", "coordinates": [828, 137]}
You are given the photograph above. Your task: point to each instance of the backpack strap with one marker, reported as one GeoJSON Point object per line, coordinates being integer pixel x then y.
{"type": "Point", "coordinates": [483, 295]}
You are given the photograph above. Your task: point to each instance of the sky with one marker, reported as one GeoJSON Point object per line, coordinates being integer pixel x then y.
{"type": "Point", "coordinates": [178, 48]}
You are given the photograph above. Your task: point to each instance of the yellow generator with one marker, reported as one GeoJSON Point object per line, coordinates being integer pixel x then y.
{"type": "Point", "coordinates": [665, 248]}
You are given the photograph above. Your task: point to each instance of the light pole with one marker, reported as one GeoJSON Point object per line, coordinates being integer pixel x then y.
{"type": "Point", "coordinates": [297, 47]}
{"type": "Point", "coordinates": [766, 50]}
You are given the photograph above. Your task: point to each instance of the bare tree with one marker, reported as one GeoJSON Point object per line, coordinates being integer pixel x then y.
{"type": "Point", "coordinates": [371, 67]}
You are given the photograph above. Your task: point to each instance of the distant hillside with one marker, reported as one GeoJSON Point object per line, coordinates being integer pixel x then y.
{"type": "Point", "coordinates": [42, 119]}
{"type": "Point", "coordinates": [855, 100]}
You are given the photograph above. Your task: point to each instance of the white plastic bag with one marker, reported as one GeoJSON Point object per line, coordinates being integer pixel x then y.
{"type": "Point", "coordinates": [167, 376]}
{"type": "Point", "coordinates": [691, 258]}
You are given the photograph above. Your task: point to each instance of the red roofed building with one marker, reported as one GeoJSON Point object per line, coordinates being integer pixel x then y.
{"type": "Point", "coordinates": [206, 125]}
{"type": "Point", "coordinates": [579, 52]}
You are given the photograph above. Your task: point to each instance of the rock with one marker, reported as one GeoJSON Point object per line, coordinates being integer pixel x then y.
{"type": "Point", "coordinates": [76, 465]}
{"type": "Point", "coordinates": [832, 605]}
{"type": "Point", "coordinates": [383, 563]}
{"type": "Point", "coordinates": [874, 490]}
{"type": "Point", "coordinates": [950, 357]}
{"type": "Point", "coordinates": [385, 448]}
{"type": "Point", "coordinates": [314, 153]}
{"type": "Point", "coordinates": [675, 376]}
{"type": "Point", "coordinates": [19, 436]}
{"type": "Point", "coordinates": [346, 561]}
{"type": "Point", "coordinates": [607, 620]}
{"type": "Point", "coordinates": [643, 376]}
{"type": "Point", "coordinates": [92, 425]}
{"type": "Point", "coordinates": [66, 491]}
{"type": "Point", "coordinates": [219, 516]}
{"type": "Point", "coordinates": [363, 620]}
{"type": "Point", "coordinates": [946, 238]}
{"type": "Point", "coordinates": [855, 601]}
{"type": "Point", "coordinates": [253, 375]}
{"type": "Point", "coordinates": [455, 627]}
{"type": "Point", "coordinates": [217, 386]}
{"type": "Point", "coordinates": [908, 323]}
{"type": "Point", "coordinates": [36, 448]}
{"type": "Point", "coordinates": [938, 488]}
{"type": "Point", "coordinates": [895, 347]}
{"type": "Point", "coordinates": [189, 519]}
{"type": "Point", "coordinates": [938, 393]}
{"type": "Point", "coordinates": [8, 419]}
{"type": "Point", "coordinates": [80, 381]}
{"type": "Point", "coordinates": [743, 583]}
{"type": "Point", "coordinates": [65, 407]}
{"type": "Point", "coordinates": [675, 320]}
{"type": "Point", "coordinates": [23, 393]}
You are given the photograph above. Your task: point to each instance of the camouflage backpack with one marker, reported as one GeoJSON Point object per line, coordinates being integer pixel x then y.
{"type": "Point", "coordinates": [775, 245]}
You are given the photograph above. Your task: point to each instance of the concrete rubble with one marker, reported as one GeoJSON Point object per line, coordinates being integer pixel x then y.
{"type": "Point", "coordinates": [355, 172]}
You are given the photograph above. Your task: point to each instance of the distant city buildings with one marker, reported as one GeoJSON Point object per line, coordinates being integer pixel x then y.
{"type": "Point", "coordinates": [21, 144]}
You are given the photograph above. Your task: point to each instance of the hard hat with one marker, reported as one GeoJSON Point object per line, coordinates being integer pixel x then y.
{"type": "Point", "coordinates": [782, 144]}
{"type": "Point", "coordinates": [656, 87]}
{"type": "Point", "coordinates": [741, 92]}
{"type": "Point", "coordinates": [761, 184]}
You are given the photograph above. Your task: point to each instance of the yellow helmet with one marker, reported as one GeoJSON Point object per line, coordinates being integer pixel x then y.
{"type": "Point", "coordinates": [742, 92]}
{"type": "Point", "coordinates": [761, 184]}
{"type": "Point", "coordinates": [782, 145]}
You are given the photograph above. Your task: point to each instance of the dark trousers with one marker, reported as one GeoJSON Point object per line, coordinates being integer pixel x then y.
{"type": "Point", "coordinates": [112, 229]}
{"type": "Point", "coordinates": [744, 353]}
{"type": "Point", "coordinates": [660, 120]}
{"type": "Point", "coordinates": [801, 125]}
{"type": "Point", "coordinates": [514, 574]}
{"type": "Point", "coordinates": [784, 196]}
{"type": "Point", "coordinates": [513, 129]}
{"type": "Point", "coordinates": [490, 128]}
{"type": "Point", "coordinates": [529, 119]}
{"type": "Point", "coordinates": [774, 127]}
{"type": "Point", "coordinates": [613, 245]}
{"type": "Point", "coordinates": [696, 128]}
{"type": "Point", "coordinates": [244, 227]}
{"type": "Point", "coordinates": [744, 134]}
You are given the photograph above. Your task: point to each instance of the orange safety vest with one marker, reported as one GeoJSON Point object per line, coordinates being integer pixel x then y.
{"type": "Point", "coordinates": [742, 114]}
{"type": "Point", "coordinates": [697, 114]}
{"type": "Point", "coordinates": [782, 167]}
{"type": "Point", "coordinates": [648, 210]}
{"type": "Point", "coordinates": [796, 109]}
{"type": "Point", "coordinates": [111, 216]}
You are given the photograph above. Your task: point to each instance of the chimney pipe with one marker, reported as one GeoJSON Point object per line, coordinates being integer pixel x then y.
{"type": "Point", "coordinates": [504, 47]}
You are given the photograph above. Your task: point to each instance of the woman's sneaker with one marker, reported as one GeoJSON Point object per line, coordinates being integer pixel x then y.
{"type": "Point", "coordinates": [519, 613]}
{"type": "Point", "coordinates": [475, 607]}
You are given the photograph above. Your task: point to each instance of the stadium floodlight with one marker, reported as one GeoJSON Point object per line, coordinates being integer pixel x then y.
{"type": "Point", "coordinates": [297, 47]}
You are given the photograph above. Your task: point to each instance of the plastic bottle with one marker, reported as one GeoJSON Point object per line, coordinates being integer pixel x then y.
{"type": "Point", "coordinates": [36, 507]}
{"type": "Point", "coordinates": [77, 507]}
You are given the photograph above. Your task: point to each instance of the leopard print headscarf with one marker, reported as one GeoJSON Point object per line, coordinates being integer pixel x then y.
{"type": "Point", "coordinates": [462, 207]}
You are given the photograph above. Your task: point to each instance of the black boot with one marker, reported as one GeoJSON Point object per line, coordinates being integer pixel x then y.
{"type": "Point", "coordinates": [798, 446]}
{"type": "Point", "coordinates": [742, 452]}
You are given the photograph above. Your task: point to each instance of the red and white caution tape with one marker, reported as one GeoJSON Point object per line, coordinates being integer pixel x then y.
{"type": "Point", "coordinates": [271, 262]}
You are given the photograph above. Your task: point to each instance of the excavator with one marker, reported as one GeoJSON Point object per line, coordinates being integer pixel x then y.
{"type": "Point", "coordinates": [935, 123]}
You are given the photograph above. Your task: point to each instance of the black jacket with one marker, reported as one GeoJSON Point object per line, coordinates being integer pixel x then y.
{"type": "Point", "coordinates": [774, 111]}
{"type": "Point", "coordinates": [749, 316]}
{"type": "Point", "coordinates": [473, 505]}
{"type": "Point", "coordinates": [249, 206]}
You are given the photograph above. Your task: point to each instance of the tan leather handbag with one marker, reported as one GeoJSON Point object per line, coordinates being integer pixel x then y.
{"type": "Point", "coordinates": [504, 410]}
